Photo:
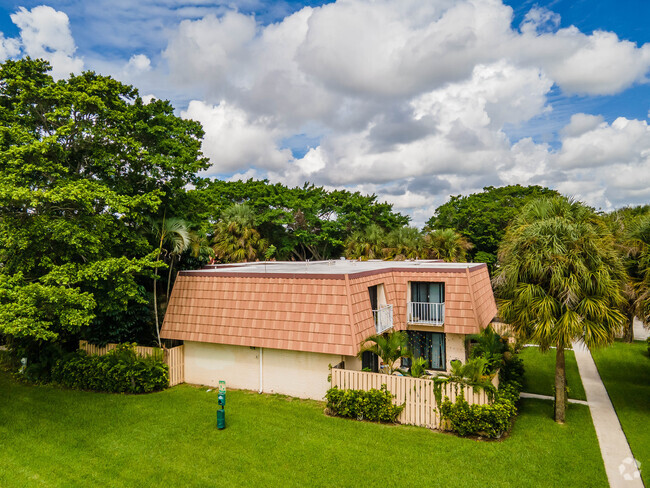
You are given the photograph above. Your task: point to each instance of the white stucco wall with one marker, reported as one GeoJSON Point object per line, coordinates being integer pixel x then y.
{"type": "Point", "coordinates": [295, 373]}
{"type": "Point", "coordinates": [455, 348]}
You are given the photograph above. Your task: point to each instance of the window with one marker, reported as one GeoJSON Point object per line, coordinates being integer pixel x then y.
{"type": "Point", "coordinates": [372, 291]}
{"type": "Point", "coordinates": [422, 292]}
{"type": "Point", "coordinates": [370, 360]}
{"type": "Point", "coordinates": [427, 345]}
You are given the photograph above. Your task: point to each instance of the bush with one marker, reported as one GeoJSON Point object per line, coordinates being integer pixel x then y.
{"type": "Point", "coordinates": [486, 420]}
{"type": "Point", "coordinates": [375, 405]}
{"type": "Point", "coordinates": [512, 370]}
{"type": "Point", "coordinates": [119, 371]}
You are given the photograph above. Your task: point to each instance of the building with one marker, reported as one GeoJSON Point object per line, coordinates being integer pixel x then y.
{"type": "Point", "coordinates": [277, 327]}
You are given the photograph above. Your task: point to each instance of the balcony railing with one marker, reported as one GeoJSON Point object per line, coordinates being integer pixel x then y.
{"type": "Point", "coordinates": [383, 318]}
{"type": "Point", "coordinates": [426, 313]}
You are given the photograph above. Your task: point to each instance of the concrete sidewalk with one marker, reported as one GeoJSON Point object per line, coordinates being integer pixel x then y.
{"type": "Point", "coordinates": [616, 453]}
{"type": "Point", "coordinates": [537, 396]}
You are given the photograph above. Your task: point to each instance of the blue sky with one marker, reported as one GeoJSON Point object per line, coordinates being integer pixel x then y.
{"type": "Point", "coordinates": [411, 100]}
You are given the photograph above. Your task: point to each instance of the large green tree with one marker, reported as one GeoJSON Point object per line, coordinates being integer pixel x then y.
{"type": "Point", "coordinates": [631, 229]}
{"type": "Point", "coordinates": [560, 280]}
{"type": "Point", "coordinates": [83, 163]}
{"type": "Point", "coordinates": [483, 217]}
{"type": "Point", "coordinates": [305, 222]}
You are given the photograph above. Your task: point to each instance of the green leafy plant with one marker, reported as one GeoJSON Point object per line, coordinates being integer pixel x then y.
{"type": "Point", "coordinates": [374, 405]}
{"type": "Point", "coordinates": [390, 347]}
{"type": "Point", "coordinates": [489, 345]}
{"type": "Point", "coordinates": [121, 370]}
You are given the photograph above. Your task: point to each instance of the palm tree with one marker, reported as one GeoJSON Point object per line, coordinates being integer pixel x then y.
{"type": "Point", "coordinates": [235, 238]}
{"type": "Point", "coordinates": [390, 347]}
{"type": "Point", "coordinates": [174, 233]}
{"type": "Point", "coordinates": [559, 280]}
{"type": "Point", "coordinates": [626, 225]}
{"type": "Point", "coordinates": [446, 244]}
{"type": "Point", "coordinates": [366, 244]}
{"type": "Point", "coordinates": [403, 243]}
{"type": "Point", "coordinates": [640, 251]}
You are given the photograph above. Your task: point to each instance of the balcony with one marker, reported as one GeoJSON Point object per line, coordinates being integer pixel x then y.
{"type": "Point", "coordinates": [383, 318]}
{"type": "Point", "coordinates": [426, 313]}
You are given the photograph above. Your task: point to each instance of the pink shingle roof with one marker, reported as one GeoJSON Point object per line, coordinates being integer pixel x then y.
{"type": "Point", "coordinates": [316, 312]}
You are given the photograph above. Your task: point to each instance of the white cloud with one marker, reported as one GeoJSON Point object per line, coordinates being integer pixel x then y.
{"type": "Point", "coordinates": [45, 33]}
{"type": "Point", "coordinates": [138, 62]}
{"type": "Point", "coordinates": [234, 142]}
{"type": "Point", "coordinates": [623, 142]}
{"type": "Point", "coordinates": [8, 47]}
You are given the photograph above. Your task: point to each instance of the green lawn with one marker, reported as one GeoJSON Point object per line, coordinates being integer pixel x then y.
{"type": "Point", "coordinates": [625, 371]}
{"type": "Point", "coordinates": [540, 372]}
{"type": "Point", "coordinates": [53, 437]}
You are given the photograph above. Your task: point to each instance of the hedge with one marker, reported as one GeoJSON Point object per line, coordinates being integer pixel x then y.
{"type": "Point", "coordinates": [375, 405]}
{"type": "Point", "coordinates": [121, 370]}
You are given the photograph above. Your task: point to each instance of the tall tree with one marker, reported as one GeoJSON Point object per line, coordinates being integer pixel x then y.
{"type": "Point", "coordinates": [235, 237]}
{"type": "Point", "coordinates": [560, 280]}
{"type": "Point", "coordinates": [173, 236]}
{"type": "Point", "coordinates": [366, 244]}
{"type": "Point", "coordinates": [639, 235]}
{"type": "Point", "coordinates": [446, 244]}
{"type": "Point", "coordinates": [483, 217]}
{"type": "Point", "coordinates": [632, 242]}
{"type": "Point", "coordinates": [83, 161]}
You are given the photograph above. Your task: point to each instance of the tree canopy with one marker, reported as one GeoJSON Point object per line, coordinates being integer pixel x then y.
{"type": "Point", "coordinates": [482, 218]}
{"type": "Point", "coordinates": [560, 280]}
{"type": "Point", "coordinates": [83, 162]}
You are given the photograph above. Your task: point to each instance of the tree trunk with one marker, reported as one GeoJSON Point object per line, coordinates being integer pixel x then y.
{"type": "Point", "coordinates": [155, 307]}
{"type": "Point", "coordinates": [169, 278]}
{"type": "Point", "coordinates": [629, 332]}
{"type": "Point", "coordinates": [560, 386]}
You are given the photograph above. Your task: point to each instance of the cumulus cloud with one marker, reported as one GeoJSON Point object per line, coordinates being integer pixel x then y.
{"type": "Point", "coordinates": [45, 33]}
{"type": "Point", "coordinates": [233, 141]}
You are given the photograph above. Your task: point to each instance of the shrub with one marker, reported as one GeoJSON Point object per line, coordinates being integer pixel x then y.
{"type": "Point", "coordinates": [512, 370]}
{"type": "Point", "coordinates": [119, 371]}
{"type": "Point", "coordinates": [487, 420]}
{"type": "Point", "coordinates": [375, 405]}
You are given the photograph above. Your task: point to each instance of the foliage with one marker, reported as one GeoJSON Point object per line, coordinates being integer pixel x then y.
{"type": "Point", "coordinates": [389, 346]}
{"type": "Point", "coordinates": [121, 370]}
{"type": "Point", "coordinates": [491, 346]}
{"type": "Point", "coordinates": [83, 161]}
{"type": "Point", "coordinates": [418, 368]}
{"type": "Point", "coordinates": [512, 370]}
{"type": "Point", "coordinates": [303, 223]}
{"type": "Point", "coordinates": [374, 405]}
{"type": "Point", "coordinates": [490, 420]}
{"type": "Point", "coordinates": [483, 217]}
{"type": "Point", "coordinates": [560, 280]}
{"type": "Point", "coordinates": [631, 229]}
{"type": "Point", "coordinates": [235, 237]}
{"type": "Point", "coordinates": [472, 373]}
{"type": "Point", "coordinates": [446, 244]}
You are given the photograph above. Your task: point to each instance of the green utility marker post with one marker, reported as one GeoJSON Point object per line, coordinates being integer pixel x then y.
{"type": "Point", "coordinates": [221, 401]}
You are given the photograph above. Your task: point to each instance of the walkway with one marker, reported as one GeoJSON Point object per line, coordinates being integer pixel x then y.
{"type": "Point", "coordinates": [613, 444]}
{"type": "Point", "coordinates": [547, 397]}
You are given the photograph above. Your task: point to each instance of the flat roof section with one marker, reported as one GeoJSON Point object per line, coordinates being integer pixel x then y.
{"type": "Point", "coordinates": [338, 267]}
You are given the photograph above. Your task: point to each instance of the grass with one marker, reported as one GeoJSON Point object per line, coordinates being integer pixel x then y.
{"type": "Point", "coordinates": [540, 372]}
{"type": "Point", "coordinates": [53, 437]}
{"type": "Point", "coordinates": [625, 371]}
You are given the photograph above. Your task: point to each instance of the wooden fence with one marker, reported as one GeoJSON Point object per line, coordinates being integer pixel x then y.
{"type": "Point", "coordinates": [417, 393]}
{"type": "Point", "coordinates": [174, 357]}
